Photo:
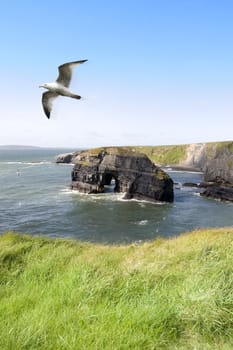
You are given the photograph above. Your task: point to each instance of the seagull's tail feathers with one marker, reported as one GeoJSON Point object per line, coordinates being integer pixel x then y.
{"type": "Point", "coordinates": [76, 96]}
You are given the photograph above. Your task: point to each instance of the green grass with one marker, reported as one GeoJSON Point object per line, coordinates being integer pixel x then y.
{"type": "Point", "coordinates": [176, 154]}
{"type": "Point", "coordinates": [165, 155]}
{"type": "Point", "coordinates": [115, 150]}
{"type": "Point", "coordinates": [165, 294]}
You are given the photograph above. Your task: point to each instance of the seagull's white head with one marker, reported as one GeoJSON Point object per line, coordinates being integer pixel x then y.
{"type": "Point", "coordinates": [44, 86]}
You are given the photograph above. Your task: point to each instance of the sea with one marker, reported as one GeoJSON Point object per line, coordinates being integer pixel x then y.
{"type": "Point", "coordinates": [36, 198]}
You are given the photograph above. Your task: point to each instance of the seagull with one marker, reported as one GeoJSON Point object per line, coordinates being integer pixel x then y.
{"type": "Point", "coordinates": [59, 87]}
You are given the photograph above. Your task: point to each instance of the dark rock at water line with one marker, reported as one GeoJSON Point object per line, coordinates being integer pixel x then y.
{"type": "Point", "coordinates": [224, 193]}
{"type": "Point", "coordinates": [64, 158]}
{"type": "Point", "coordinates": [190, 184]}
{"type": "Point", "coordinates": [205, 184]}
{"type": "Point", "coordinates": [132, 173]}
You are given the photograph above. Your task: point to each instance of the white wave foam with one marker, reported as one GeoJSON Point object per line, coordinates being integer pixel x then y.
{"type": "Point", "coordinates": [143, 202]}
{"type": "Point", "coordinates": [94, 197]}
{"type": "Point", "coordinates": [29, 163]}
{"type": "Point", "coordinates": [196, 194]}
{"type": "Point", "coordinates": [183, 171]}
{"type": "Point", "coordinates": [142, 222]}
{"type": "Point", "coordinates": [110, 196]}
{"type": "Point", "coordinates": [70, 191]}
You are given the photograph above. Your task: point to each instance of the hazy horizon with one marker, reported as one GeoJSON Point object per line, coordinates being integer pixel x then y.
{"type": "Point", "coordinates": [86, 147]}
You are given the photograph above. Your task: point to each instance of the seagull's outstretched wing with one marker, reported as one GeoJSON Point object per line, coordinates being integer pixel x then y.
{"type": "Point", "coordinates": [65, 72]}
{"type": "Point", "coordinates": [47, 99]}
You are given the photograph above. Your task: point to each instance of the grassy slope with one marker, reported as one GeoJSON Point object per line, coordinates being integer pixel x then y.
{"type": "Point", "coordinates": [165, 294]}
{"type": "Point", "coordinates": [175, 154]}
{"type": "Point", "coordinates": [164, 154]}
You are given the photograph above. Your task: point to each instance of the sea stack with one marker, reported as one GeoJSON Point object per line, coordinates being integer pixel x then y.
{"type": "Point", "coordinates": [132, 173]}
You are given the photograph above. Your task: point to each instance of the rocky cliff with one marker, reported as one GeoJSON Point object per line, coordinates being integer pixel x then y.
{"type": "Point", "coordinates": [212, 158]}
{"type": "Point", "coordinates": [218, 171]}
{"type": "Point", "coordinates": [195, 156]}
{"type": "Point", "coordinates": [132, 173]}
{"type": "Point", "coordinates": [219, 164]}
{"type": "Point", "coordinates": [216, 161]}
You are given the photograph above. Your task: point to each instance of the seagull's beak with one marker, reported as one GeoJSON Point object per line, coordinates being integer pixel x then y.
{"type": "Point", "coordinates": [40, 86]}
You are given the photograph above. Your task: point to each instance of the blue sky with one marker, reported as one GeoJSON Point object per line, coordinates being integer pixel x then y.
{"type": "Point", "coordinates": [158, 71]}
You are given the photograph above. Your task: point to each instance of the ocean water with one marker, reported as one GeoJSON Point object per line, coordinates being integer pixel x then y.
{"type": "Point", "coordinates": [35, 198]}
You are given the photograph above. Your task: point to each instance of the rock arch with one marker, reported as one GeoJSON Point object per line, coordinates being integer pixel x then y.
{"type": "Point", "coordinates": [106, 179]}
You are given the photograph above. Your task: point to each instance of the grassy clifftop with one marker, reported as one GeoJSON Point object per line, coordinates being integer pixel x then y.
{"type": "Point", "coordinates": [121, 151]}
{"type": "Point", "coordinates": [164, 154]}
{"type": "Point", "coordinates": [165, 294]}
{"type": "Point", "coordinates": [178, 154]}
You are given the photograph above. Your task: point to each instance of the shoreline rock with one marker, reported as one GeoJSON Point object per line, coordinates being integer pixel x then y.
{"type": "Point", "coordinates": [64, 158]}
{"type": "Point", "coordinates": [223, 193]}
{"type": "Point", "coordinates": [190, 184]}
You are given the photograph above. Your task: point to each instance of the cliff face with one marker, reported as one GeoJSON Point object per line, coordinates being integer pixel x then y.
{"type": "Point", "coordinates": [195, 157]}
{"type": "Point", "coordinates": [214, 159]}
{"type": "Point", "coordinates": [133, 173]}
{"type": "Point", "coordinates": [219, 164]}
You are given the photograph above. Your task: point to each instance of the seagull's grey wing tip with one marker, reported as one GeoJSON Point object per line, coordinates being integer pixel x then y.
{"type": "Point", "coordinates": [65, 72]}
{"type": "Point", "coordinates": [72, 63]}
{"type": "Point", "coordinates": [47, 98]}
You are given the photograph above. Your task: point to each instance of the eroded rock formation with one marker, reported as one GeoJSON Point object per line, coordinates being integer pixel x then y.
{"type": "Point", "coordinates": [219, 165]}
{"type": "Point", "coordinates": [218, 175]}
{"type": "Point", "coordinates": [133, 173]}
